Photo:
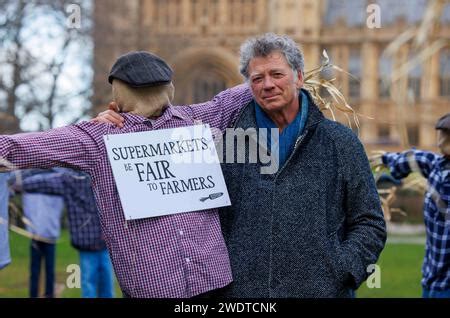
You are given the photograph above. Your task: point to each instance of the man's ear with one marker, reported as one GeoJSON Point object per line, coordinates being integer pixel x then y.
{"type": "Point", "coordinates": [299, 79]}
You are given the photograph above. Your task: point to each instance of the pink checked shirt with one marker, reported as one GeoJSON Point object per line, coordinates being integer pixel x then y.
{"type": "Point", "coordinates": [179, 255]}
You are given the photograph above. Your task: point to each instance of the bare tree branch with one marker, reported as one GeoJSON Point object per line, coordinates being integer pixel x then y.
{"type": "Point", "coordinates": [31, 76]}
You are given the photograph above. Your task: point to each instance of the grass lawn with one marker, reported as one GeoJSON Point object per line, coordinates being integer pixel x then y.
{"type": "Point", "coordinates": [400, 266]}
{"type": "Point", "coordinates": [14, 278]}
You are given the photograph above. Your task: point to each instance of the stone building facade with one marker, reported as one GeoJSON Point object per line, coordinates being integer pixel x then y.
{"type": "Point", "coordinates": [200, 39]}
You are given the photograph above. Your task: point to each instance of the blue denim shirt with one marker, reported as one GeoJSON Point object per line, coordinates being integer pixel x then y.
{"type": "Point", "coordinates": [44, 212]}
{"type": "Point", "coordinates": [75, 187]}
{"type": "Point", "coordinates": [5, 257]}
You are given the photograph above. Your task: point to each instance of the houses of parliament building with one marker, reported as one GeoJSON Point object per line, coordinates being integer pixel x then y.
{"type": "Point", "coordinates": [200, 39]}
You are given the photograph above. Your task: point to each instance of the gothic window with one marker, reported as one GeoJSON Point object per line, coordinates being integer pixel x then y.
{"type": "Point", "coordinates": [444, 76]}
{"type": "Point", "coordinates": [413, 134]}
{"type": "Point", "coordinates": [233, 11]}
{"type": "Point", "coordinates": [215, 13]}
{"type": "Point", "coordinates": [253, 11]}
{"type": "Point", "coordinates": [195, 8]}
{"type": "Point", "coordinates": [161, 14]}
{"type": "Point", "coordinates": [205, 86]}
{"type": "Point", "coordinates": [242, 12]}
{"type": "Point", "coordinates": [410, 10]}
{"type": "Point", "coordinates": [177, 12]}
{"type": "Point", "coordinates": [446, 14]}
{"type": "Point", "coordinates": [354, 68]}
{"type": "Point", "coordinates": [414, 81]}
{"type": "Point", "coordinates": [384, 133]}
{"type": "Point", "coordinates": [353, 12]}
{"type": "Point", "coordinates": [384, 73]}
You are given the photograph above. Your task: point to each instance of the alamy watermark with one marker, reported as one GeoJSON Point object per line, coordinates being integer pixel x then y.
{"type": "Point", "coordinates": [73, 20]}
{"type": "Point", "coordinates": [236, 145]}
{"type": "Point", "coordinates": [374, 279]}
{"type": "Point", "coordinates": [74, 278]}
{"type": "Point", "coordinates": [374, 18]}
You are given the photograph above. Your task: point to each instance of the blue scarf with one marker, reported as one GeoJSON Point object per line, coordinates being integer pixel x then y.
{"type": "Point", "coordinates": [289, 134]}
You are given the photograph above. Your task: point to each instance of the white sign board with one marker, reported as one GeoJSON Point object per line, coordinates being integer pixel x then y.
{"type": "Point", "coordinates": [167, 171]}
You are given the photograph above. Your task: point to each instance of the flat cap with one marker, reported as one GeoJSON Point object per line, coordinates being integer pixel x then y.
{"type": "Point", "coordinates": [443, 122]}
{"type": "Point", "coordinates": [141, 69]}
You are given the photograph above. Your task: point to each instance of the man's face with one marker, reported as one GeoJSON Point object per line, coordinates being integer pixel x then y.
{"type": "Point", "coordinates": [273, 82]}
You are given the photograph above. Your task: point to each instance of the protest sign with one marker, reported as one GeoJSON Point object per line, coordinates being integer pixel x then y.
{"type": "Point", "coordinates": [166, 171]}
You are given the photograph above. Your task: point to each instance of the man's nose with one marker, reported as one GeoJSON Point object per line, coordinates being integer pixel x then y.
{"type": "Point", "coordinates": [268, 83]}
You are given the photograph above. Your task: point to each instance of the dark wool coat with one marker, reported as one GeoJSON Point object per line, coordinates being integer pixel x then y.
{"type": "Point", "coordinates": [312, 228]}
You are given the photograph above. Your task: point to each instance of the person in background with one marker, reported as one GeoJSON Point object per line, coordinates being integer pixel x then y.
{"type": "Point", "coordinates": [5, 257]}
{"type": "Point", "coordinates": [97, 278]}
{"type": "Point", "coordinates": [43, 214]}
{"type": "Point", "coordinates": [436, 169]}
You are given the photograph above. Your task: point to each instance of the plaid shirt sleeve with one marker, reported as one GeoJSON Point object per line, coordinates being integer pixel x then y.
{"type": "Point", "coordinates": [70, 146]}
{"type": "Point", "coordinates": [223, 109]}
{"type": "Point", "coordinates": [47, 183]}
{"type": "Point", "coordinates": [402, 164]}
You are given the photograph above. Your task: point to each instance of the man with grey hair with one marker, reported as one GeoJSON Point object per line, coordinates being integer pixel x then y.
{"type": "Point", "coordinates": [312, 228]}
